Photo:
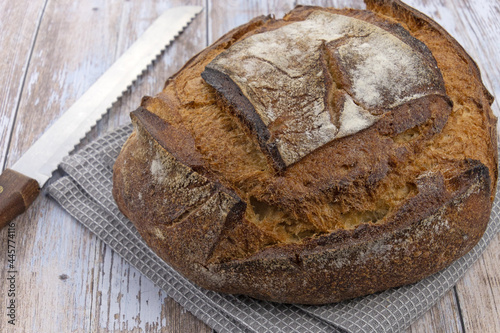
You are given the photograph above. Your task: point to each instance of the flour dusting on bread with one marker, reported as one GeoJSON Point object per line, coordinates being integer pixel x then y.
{"type": "Point", "coordinates": [315, 158]}
{"type": "Point", "coordinates": [285, 74]}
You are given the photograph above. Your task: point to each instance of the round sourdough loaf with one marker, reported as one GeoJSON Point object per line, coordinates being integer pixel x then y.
{"type": "Point", "coordinates": [324, 156]}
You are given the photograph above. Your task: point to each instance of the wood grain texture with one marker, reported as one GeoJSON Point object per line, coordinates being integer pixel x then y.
{"type": "Point", "coordinates": [444, 317]}
{"type": "Point", "coordinates": [479, 292]}
{"type": "Point", "coordinates": [19, 26]}
{"type": "Point", "coordinates": [357, 4]}
{"type": "Point", "coordinates": [68, 281]}
{"type": "Point", "coordinates": [226, 15]}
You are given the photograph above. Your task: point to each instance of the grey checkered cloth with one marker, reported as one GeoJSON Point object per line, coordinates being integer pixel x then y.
{"type": "Point", "coordinates": [85, 192]}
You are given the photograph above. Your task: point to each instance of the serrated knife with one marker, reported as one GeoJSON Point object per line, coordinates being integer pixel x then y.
{"type": "Point", "coordinates": [20, 185]}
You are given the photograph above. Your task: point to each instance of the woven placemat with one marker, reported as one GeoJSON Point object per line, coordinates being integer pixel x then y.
{"type": "Point", "coordinates": [85, 192]}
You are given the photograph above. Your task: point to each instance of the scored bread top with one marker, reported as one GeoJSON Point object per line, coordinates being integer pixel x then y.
{"type": "Point", "coordinates": [307, 83]}
{"type": "Point", "coordinates": [405, 193]}
{"type": "Point", "coordinates": [356, 179]}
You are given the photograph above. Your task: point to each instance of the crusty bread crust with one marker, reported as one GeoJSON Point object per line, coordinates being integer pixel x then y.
{"type": "Point", "coordinates": [383, 207]}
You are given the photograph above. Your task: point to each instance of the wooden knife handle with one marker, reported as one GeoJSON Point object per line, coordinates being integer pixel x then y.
{"type": "Point", "coordinates": [17, 192]}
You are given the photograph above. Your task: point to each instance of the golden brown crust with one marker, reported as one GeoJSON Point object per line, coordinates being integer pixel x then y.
{"type": "Point", "coordinates": [423, 237]}
{"type": "Point", "coordinates": [384, 207]}
{"type": "Point", "coordinates": [355, 71]}
{"type": "Point", "coordinates": [416, 22]}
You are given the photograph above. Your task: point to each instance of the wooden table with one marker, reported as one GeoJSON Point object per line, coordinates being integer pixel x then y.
{"type": "Point", "coordinates": [52, 51]}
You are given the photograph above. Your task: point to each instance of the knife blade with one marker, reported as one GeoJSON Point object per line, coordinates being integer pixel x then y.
{"type": "Point", "coordinates": [20, 185]}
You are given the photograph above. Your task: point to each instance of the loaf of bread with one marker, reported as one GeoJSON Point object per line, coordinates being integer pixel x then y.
{"type": "Point", "coordinates": [316, 158]}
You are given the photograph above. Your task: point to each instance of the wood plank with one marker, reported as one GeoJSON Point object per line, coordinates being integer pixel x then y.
{"type": "Point", "coordinates": [69, 280]}
{"type": "Point", "coordinates": [479, 292]}
{"type": "Point", "coordinates": [58, 75]}
{"type": "Point", "coordinates": [19, 23]}
{"type": "Point", "coordinates": [226, 15]}
{"type": "Point", "coordinates": [140, 305]}
{"type": "Point", "coordinates": [444, 317]}
{"type": "Point", "coordinates": [357, 4]}
{"type": "Point", "coordinates": [192, 41]}
{"type": "Point", "coordinates": [126, 301]}
{"type": "Point", "coordinates": [46, 235]}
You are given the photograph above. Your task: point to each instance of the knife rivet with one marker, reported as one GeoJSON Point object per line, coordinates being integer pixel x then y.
{"type": "Point", "coordinates": [1, 189]}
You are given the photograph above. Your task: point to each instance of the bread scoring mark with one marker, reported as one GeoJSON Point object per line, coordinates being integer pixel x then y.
{"type": "Point", "coordinates": [184, 190]}
{"type": "Point", "coordinates": [285, 78]}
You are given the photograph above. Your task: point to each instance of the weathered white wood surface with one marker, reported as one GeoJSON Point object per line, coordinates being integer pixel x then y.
{"type": "Point", "coordinates": [52, 51]}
